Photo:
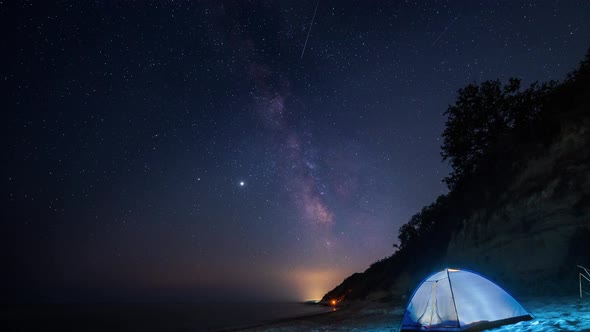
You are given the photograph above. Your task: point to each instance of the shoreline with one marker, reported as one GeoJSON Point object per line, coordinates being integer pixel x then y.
{"type": "Point", "coordinates": [281, 321]}
{"type": "Point", "coordinates": [154, 316]}
{"type": "Point", "coordinates": [564, 313]}
{"type": "Point", "coordinates": [355, 316]}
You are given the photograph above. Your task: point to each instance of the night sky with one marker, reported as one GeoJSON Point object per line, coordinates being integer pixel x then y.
{"type": "Point", "coordinates": [190, 150]}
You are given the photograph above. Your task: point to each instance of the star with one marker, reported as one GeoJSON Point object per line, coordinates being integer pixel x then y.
{"type": "Point", "coordinates": [242, 183]}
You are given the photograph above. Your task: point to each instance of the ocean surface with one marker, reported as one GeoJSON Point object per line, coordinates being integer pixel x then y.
{"type": "Point", "coordinates": [235, 315]}
{"type": "Point", "coordinates": [149, 317]}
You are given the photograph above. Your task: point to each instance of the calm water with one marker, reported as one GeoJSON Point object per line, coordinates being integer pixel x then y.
{"type": "Point", "coordinates": [247, 314]}
{"type": "Point", "coordinates": [148, 317]}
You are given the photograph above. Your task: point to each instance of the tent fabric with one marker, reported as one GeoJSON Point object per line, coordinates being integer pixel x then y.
{"type": "Point", "coordinates": [458, 300]}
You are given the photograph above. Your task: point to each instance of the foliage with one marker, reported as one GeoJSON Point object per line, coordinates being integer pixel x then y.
{"type": "Point", "coordinates": [485, 123]}
{"type": "Point", "coordinates": [481, 115]}
{"type": "Point", "coordinates": [422, 223]}
{"type": "Point", "coordinates": [489, 123]}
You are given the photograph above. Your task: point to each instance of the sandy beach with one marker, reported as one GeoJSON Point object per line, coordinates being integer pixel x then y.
{"type": "Point", "coordinates": [359, 316]}
{"type": "Point", "coordinates": [550, 314]}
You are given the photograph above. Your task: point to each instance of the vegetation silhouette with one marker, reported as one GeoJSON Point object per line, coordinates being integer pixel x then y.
{"type": "Point", "coordinates": [490, 132]}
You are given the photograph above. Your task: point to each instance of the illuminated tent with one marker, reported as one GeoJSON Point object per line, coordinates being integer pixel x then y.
{"type": "Point", "coordinates": [457, 300]}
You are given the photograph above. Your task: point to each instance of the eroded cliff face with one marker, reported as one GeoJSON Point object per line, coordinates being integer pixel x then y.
{"type": "Point", "coordinates": [523, 219]}
{"type": "Point", "coordinates": [531, 240]}
{"type": "Point", "coordinates": [528, 238]}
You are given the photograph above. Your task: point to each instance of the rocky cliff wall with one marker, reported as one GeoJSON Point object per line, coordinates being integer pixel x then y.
{"type": "Point", "coordinates": [522, 219]}
{"type": "Point", "coordinates": [532, 238]}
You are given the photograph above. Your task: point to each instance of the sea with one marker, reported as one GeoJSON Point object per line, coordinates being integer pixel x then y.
{"type": "Point", "coordinates": [149, 316]}
{"type": "Point", "coordinates": [224, 316]}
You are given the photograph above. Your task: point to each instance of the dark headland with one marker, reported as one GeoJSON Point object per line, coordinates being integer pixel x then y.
{"type": "Point", "coordinates": [518, 210]}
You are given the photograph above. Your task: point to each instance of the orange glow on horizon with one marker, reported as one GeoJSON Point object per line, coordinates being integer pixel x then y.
{"type": "Point", "coordinates": [314, 283]}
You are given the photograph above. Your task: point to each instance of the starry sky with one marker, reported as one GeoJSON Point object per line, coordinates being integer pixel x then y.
{"type": "Point", "coordinates": [184, 150]}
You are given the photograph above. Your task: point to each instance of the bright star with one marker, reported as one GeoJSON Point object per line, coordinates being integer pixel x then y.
{"type": "Point", "coordinates": [242, 183]}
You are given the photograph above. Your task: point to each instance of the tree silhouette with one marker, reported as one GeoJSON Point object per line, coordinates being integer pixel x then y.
{"type": "Point", "coordinates": [480, 116]}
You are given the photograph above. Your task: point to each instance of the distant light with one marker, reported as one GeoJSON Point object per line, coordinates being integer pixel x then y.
{"type": "Point", "coordinates": [333, 302]}
{"type": "Point", "coordinates": [242, 183]}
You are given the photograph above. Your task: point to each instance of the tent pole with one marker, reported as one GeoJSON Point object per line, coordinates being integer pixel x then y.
{"type": "Point", "coordinates": [580, 275]}
{"type": "Point", "coordinates": [433, 305]}
{"type": "Point", "coordinates": [453, 297]}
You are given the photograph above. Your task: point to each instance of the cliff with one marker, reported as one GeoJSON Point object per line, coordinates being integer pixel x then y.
{"type": "Point", "coordinates": [522, 219]}
{"type": "Point", "coordinates": [539, 228]}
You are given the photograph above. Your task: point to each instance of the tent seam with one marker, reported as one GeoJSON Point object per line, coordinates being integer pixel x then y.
{"type": "Point", "coordinates": [453, 297]}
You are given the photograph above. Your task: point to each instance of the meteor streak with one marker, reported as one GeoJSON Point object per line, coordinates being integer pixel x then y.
{"type": "Point", "coordinates": [310, 26]}
{"type": "Point", "coordinates": [445, 30]}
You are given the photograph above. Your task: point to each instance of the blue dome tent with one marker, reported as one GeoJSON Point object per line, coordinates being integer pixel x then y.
{"type": "Point", "coordinates": [458, 300]}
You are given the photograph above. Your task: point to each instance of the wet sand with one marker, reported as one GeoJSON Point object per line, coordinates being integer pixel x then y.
{"type": "Point", "coordinates": [361, 316]}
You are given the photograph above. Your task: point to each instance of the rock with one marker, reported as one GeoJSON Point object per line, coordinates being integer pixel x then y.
{"type": "Point", "coordinates": [525, 241]}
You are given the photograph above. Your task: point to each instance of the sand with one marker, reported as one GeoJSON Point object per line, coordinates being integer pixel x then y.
{"type": "Point", "coordinates": [550, 314]}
